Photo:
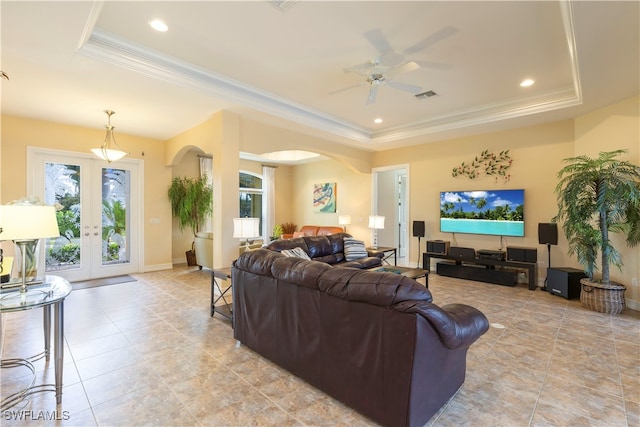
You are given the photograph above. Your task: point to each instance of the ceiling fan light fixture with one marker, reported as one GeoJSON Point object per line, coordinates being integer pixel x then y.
{"type": "Point", "coordinates": [282, 5]}
{"type": "Point", "coordinates": [109, 150]}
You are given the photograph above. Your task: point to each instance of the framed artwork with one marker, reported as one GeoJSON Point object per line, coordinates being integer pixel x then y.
{"type": "Point", "coordinates": [324, 197]}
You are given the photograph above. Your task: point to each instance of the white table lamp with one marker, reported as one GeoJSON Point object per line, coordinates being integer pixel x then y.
{"type": "Point", "coordinates": [344, 220]}
{"type": "Point", "coordinates": [24, 224]}
{"type": "Point", "coordinates": [246, 228]}
{"type": "Point", "coordinates": [376, 222]}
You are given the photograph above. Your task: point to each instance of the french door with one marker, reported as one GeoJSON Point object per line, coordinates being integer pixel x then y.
{"type": "Point", "coordinates": [98, 212]}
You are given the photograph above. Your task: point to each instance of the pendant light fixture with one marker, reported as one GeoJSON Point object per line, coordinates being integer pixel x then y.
{"type": "Point", "coordinates": [110, 150]}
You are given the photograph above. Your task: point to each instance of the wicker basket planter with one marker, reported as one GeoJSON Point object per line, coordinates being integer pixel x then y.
{"type": "Point", "coordinates": [603, 298]}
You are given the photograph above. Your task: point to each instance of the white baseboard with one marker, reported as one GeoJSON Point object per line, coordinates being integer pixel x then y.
{"type": "Point", "coordinates": [157, 267]}
{"type": "Point", "coordinates": [633, 305]}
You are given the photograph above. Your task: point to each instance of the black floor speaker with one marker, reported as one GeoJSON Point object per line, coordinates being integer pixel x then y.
{"type": "Point", "coordinates": [564, 281]}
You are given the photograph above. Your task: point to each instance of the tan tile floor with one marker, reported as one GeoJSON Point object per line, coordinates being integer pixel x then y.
{"type": "Point", "coordinates": [147, 353]}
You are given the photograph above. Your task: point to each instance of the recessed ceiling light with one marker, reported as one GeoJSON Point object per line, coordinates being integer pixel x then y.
{"type": "Point", "coordinates": [378, 120]}
{"type": "Point", "coordinates": [158, 25]}
{"type": "Point", "coordinates": [527, 83]}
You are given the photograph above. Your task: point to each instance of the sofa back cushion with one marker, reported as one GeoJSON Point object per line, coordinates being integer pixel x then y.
{"type": "Point", "coordinates": [326, 230]}
{"type": "Point", "coordinates": [309, 230]}
{"type": "Point", "coordinates": [382, 289]}
{"type": "Point", "coordinates": [318, 246]}
{"type": "Point", "coordinates": [298, 271]}
{"type": "Point", "coordinates": [281, 244]}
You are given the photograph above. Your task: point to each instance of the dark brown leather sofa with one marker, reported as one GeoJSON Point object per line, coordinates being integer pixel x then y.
{"type": "Point", "coordinates": [374, 341]}
{"type": "Point", "coordinates": [326, 248]}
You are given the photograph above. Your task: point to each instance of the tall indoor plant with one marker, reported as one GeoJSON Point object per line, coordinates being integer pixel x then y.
{"type": "Point", "coordinates": [191, 203]}
{"type": "Point", "coordinates": [598, 196]}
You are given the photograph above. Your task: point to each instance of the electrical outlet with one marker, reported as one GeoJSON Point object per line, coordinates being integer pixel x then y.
{"type": "Point", "coordinates": [634, 282]}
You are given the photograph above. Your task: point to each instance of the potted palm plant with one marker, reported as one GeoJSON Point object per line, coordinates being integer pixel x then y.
{"type": "Point", "coordinates": [191, 203]}
{"type": "Point", "coordinates": [596, 197]}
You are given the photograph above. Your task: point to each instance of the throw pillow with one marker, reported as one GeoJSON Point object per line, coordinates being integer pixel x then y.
{"type": "Point", "coordinates": [354, 249]}
{"type": "Point", "coordinates": [296, 252]}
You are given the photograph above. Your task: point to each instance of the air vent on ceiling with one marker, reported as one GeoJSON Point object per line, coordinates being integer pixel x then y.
{"type": "Point", "coordinates": [426, 94]}
{"type": "Point", "coordinates": [282, 5]}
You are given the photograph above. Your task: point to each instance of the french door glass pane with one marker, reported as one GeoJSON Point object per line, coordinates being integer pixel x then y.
{"type": "Point", "coordinates": [115, 216]}
{"type": "Point", "coordinates": [62, 189]}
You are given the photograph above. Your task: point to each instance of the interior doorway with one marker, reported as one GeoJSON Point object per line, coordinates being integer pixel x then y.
{"type": "Point", "coordinates": [390, 188]}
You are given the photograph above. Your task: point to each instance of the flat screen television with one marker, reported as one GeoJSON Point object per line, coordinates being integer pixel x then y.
{"type": "Point", "coordinates": [494, 212]}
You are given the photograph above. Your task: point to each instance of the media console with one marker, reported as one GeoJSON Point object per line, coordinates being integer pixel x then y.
{"type": "Point", "coordinates": [482, 269]}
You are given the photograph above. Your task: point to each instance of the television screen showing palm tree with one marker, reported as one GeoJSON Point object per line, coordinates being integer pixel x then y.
{"type": "Point", "coordinates": [494, 212]}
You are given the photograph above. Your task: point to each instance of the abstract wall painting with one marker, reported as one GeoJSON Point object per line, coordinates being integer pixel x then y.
{"type": "Point", "coordinates": [324, 197]}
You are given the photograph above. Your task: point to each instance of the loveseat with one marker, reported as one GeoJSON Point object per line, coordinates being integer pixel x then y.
{"type": "Point", "coordinates": [372, 340]}
{"type": "Point", "coordinates": [313, 230]}
{"type": "Point", "coordinates": [327, 248]}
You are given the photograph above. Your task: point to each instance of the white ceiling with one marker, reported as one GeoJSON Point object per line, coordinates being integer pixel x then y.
{"type": "Point", "coordinates": [69, 61]}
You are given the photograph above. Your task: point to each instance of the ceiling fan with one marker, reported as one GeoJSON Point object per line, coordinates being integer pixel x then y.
{"type": "Point", "coordinates": [390, 63]}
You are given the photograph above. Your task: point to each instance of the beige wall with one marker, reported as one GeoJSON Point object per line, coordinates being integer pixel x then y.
{"type": "Point", "coordinates": [536, 153]}
{"type": "Point", "coordinates": [353, 196]}
{"type": "Point", "coordinates": [20, 133]}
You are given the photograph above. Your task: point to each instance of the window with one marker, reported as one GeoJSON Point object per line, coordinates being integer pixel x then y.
{"type": "Point", "coordinates": [251, 196]}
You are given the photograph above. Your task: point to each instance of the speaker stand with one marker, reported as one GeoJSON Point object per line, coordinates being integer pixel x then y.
{"type": "Point", "coordinates": [418, 252]}
{"type": "Point", "coordinates": [544, 288]}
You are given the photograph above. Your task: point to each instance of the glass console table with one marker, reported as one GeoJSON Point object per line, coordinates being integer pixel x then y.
{"type": "Point", "coordinates": [51, 292]}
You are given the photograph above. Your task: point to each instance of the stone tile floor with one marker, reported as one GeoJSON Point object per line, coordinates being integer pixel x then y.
{"type": "Point", "coordinates": [147, 353]}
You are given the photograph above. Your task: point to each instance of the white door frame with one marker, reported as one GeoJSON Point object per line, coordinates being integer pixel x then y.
{"type": "Point", "coordinates": [137, 220]}
{"type": "Point", "coordinates": [400, 168]}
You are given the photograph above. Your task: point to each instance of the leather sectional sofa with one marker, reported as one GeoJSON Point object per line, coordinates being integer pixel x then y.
{"type": "Point", "coordinates": [372, 340]}
{"type": "Point", "coordinates": [328, 248]}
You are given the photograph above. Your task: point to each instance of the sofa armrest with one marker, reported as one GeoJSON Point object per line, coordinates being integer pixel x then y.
{"type": "Point", "coordinates": [458, 325]}
{"type": "Point", "coordinates": [375, 253]}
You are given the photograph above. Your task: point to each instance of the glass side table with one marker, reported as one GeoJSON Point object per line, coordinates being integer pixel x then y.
{"type": "Point", "coordinates": [51, 292]}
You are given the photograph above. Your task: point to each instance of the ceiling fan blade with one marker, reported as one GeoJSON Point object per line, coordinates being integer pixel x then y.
{"type": "Point", "coordinates": [378, 40]}
{"type": "Point", "coordinates": [405, 87]}
{"type": "Point", "coordinates": [373, 92]}
{"type": "Point", "coordinates": [404, 68]}
{"type": "Point", "coordinates": [361, 69]}
{"type": "Point", "coordinates": [347, 88]}
{"type": "Point", "coordinates": [433, 38]}
{"type": "Point", "coordinates": [434, 65]}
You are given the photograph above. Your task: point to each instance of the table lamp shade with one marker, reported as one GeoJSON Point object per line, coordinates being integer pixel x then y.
{"type": "Point", "coordinates": [344, 219]}
{"type": "Point", "coordinates": [376, 222]}
{"type": "Point", "coordinates": [28, 222]}
{"type": "Point", "coordinates": [246, 228]}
